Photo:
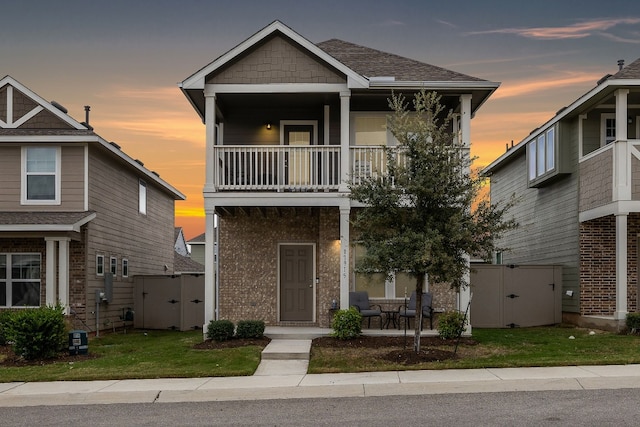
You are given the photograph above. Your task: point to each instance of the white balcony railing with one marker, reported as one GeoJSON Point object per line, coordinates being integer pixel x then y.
{"type": "Point", "coordinates": [292, 168]}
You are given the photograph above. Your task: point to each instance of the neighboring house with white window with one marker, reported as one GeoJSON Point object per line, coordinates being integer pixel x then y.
{"type": "Point", "coordinates": [288, 122]}
{"type": "Point", "coordinates": [77, 215]}
{"type": "Point", "coordinates": [577, 178]}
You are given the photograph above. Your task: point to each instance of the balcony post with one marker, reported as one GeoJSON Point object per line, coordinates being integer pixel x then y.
{"type": "Point", "coordinates": [621, 267]}
{"type": "Point", "coordinates": [51, 297]}
{"type": "Point", "coordinates": [344, 255]}
{"type": "Point", "coordinates": [345, 98]}
{"type": "Point", "coordinates": [210, 293]}
{"type": "Point", "coordinates": [210, 120]}
{"type": "Point", "coordinates": [621, 152]}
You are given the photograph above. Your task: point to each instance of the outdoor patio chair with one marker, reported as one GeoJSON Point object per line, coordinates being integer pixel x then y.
{"type": "Point", "coordinates": [409, 312]}
{"type": "Point", "coordinates": [360, 300]}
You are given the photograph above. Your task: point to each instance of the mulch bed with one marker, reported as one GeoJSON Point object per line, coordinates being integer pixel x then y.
{"type": "Point", "coordinates": [8, 358]}
{"type": "Point", "coordinates": [399, 349]}
{"type": "Point", "coordinates": [232, 343]}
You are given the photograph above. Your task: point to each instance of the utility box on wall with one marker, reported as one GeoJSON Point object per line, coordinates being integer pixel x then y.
{"type": "Point", "coordinates": [169, 302]}
{"type": "Point", "coordinates": [509, 296]}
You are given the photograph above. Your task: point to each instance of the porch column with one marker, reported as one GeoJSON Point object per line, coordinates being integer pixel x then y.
{"type": "Point", "coordinates": [621, 267]}
{"type": "Point", "coordinates": [50, 275]}
{"type": "Point", "coordinates": [209, 269]}
{"type": "Point", "coordinates": [621, 152]}
{"type": "Point", "coordinates": [345, 98]}
{"type": "Point", "coordinates": [344, 257]}
{"type": "Point", "coordinates": [210, 120]}
{"type": "Point", "coordinates": [63, 273]}
{"type": "Point", "coordinates": [465, 140]}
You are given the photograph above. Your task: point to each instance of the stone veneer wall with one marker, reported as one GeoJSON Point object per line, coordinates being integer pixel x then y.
{"type": "Point", "coordinates": [248, 260]}
{"type": "Point", "coordinates": [598, 265]}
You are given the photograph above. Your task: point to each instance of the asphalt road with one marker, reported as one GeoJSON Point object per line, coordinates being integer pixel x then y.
{"type": "Point", "coordinates": [575, 408]}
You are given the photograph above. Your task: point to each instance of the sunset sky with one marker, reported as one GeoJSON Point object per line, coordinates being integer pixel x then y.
{"type": "Point", "coordinates": [125, 58]}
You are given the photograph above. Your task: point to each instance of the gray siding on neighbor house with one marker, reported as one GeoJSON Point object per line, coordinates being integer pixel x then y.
{"type": "Point", "coordinates": [548, 218]}
{"type": "Point", "coordinates": [635, 178]}
{"type": "Point", "coordinates": [596, 180]}
{"type": "Point", "coordinates": [120, 231]}
{"type": "Point", "coordinates": [72, 181]}
{"type": "Point", "coordinates": [277, 60]}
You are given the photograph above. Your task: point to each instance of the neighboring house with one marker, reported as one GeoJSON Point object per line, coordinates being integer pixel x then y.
{"type": "Point", "coordinates": [577, 178]}
{"type": "Point", "coordinates": [78, 217]}
{"type": "Point", "coordinates": [197, 248]}
{"type": "Point", "coordinates": [288, 123]}
{"type": "Point", "coordinates": [180, 245]}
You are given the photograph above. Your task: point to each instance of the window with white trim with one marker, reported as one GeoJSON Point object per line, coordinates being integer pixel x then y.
{"type": "Point", "coordinates": [125, 267]}
{"type": "Point", "coordinates": [142, 197]}
{"type": "Point", "coordinates": [99, 265]}
{"type": "Point", "coordinates": [114, 266]}
{"type": "Point", "coordinates": [20, 280]}
{"type": "Point", "coordinates": [40, 175]}
{"type": "Point", "coordinates": [607, 128]}
{"type": "Point", "coordinates": [541, 155]}
{"type": "Point", "coordinates": [376, 285]}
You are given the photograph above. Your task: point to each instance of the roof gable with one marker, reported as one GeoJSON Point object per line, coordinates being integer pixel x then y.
{"type": "Point", "coordinates": [21, 108]}
{"type": "Point", "coordinates": [276, 59]}
{"type": "Point", "coordinates": [197, 80]}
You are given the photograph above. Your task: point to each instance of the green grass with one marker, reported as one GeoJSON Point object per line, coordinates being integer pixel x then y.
{"type": "Point", "coordinates": [158, 354]}
{"type": "Point", "coordinates": [166, 354]}
{"type": "Point", "coordinates": [548, 346]}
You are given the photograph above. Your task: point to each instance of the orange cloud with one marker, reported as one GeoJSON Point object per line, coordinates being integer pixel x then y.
{"type": "Point", "coordinates": [509, 90]}
{"type": "Point", "coordinates": [575, 31]}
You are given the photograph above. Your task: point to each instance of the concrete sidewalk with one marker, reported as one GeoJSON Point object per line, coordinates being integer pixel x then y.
{"type": "Point", "coordinates": [319, 385]}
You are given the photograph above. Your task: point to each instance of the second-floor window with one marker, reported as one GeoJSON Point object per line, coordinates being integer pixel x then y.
{"type": "Point", "coordinates": [607, 128]}
{"type": "Point", "coordinates": [41, 175]}
{"type": "Point", "coordinates": [541, 154]}
{"type": "Point", "coordinates": [114, 266]}
{"type": "Point", "coordinates": [142, 197]}
{"type": "Point", "coordinates": [99, 265]}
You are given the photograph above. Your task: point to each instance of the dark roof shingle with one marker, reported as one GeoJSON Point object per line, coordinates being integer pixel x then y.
{"type": "Point", "coordinates": [375, 63]}
{"type": "Point", "coordinates": [631, 71]}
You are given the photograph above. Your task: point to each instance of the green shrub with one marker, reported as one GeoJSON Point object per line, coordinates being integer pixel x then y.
{"type": "Point", "coordinates": [37, 333]}
{"type": "Point", "coordinates": [250, 329]}
{"type": "Point", "coordinates": [451, 324]}
{"type": "Point", "coordinates": [633, 322]}
{"type": "Point", "coordinates": [5, 318]}
{"type": "Point", "coordinates": [220, 330]}
{"type": "Point", "coordinates": [346, 324]}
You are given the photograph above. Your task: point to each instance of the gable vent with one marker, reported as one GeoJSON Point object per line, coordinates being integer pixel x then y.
{"type": "Point", "coordinates": [59, 107]}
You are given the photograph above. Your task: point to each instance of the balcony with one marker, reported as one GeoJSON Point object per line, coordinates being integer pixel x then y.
{"type": "Point", "coordinates": [292, 168]}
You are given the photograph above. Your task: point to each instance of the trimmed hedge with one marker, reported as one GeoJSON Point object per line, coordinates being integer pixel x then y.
{"type": "Point", "coordinates": [633, 322]}
{"type": "Point", "coordinates": [451, 324]}
{"type": "Point", "coordinates": [250, 329]}
{"type": "Point", "coordinates": [347, 324]}
{"type": "Point", "coordinates": [220, 330]}
{"type": "Point", "coordinates": [37, 333]}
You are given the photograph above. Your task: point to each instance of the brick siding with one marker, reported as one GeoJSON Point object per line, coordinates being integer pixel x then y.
{"type": "Point", "coordinates": [598, 265]}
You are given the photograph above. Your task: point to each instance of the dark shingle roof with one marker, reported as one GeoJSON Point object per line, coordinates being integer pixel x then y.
{"type": "Point", "coordinates": [184, 264]}
{"type": "Point", "coordinates": [43, 218]}
{"type": "Point", "coordinates": [375, 63]}
{"type": "Point", "coordinates": [198, 239]}
{"type": "Point", "coordinates": [631, 71]}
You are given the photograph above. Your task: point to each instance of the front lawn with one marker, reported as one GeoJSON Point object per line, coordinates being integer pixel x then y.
{"type": "Point", "coordinates": [138, 354]}
{"type": "Point", "coordinates": [490, 348]}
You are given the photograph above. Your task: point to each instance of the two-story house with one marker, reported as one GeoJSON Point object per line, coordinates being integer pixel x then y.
{"type": "Point", "coordinates": [288, 124]}
{"type": "Point", "coordinates": [78, 217]}
{"type": "Point", "coordinates": [577, 178]}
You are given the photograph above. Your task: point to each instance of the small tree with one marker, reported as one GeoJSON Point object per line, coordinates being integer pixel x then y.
{"type": "Point", "coordinates": [418, 217]}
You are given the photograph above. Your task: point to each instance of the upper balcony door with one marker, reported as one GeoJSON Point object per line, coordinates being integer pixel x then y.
{"type": "Point", "coordinates": [299, 162]}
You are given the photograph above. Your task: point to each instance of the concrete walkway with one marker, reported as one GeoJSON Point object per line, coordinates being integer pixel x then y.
{"type": "Point", "coordinates": [319, 385]}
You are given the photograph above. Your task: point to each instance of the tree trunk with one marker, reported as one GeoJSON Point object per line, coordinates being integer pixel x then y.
{"type": "Point", "coordinates": [418, 318]}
